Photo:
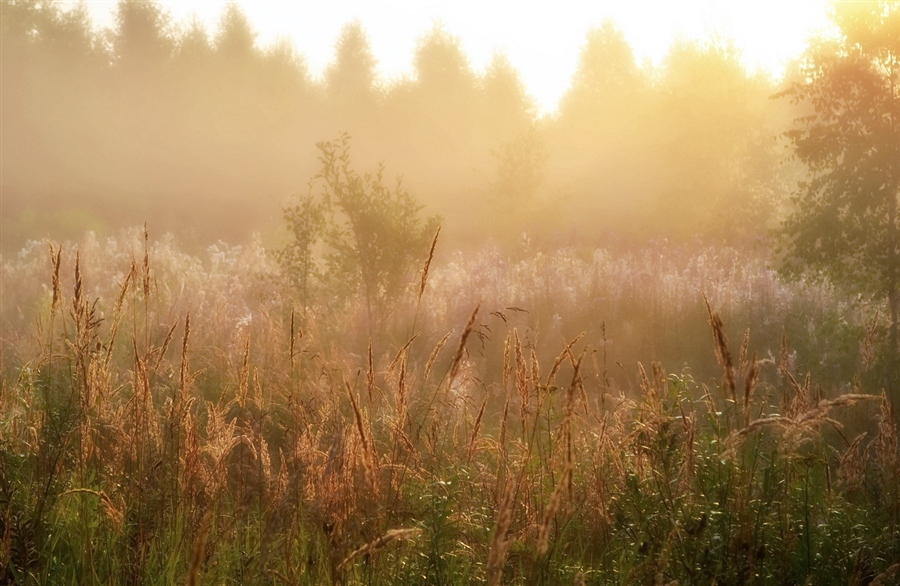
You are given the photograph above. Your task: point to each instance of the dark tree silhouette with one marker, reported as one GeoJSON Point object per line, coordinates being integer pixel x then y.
{"type": "Point", "coordinates": [846, 219]}
{"type": "Point", "coordinates": [606, 74]}
{"type": "Point", "coordinates": [508, 110]}
{"type": "Point", "coordinates": [714, 139]}
{"type": "Point", "coordinates": [350, 79]}
{"type": "Point", "coordinates": [235, 38]}
{"type": "Point", "coordinates": [141, 40]}
{"type": "Point", "coordinates": [443, 75]}
{"type": "Point", "coordinates": [193, 45]}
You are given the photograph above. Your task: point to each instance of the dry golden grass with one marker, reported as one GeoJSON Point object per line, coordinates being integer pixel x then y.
{"type": "Point", "coordinates": [260, 454]}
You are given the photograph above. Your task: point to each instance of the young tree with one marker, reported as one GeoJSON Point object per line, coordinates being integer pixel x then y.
{"type": "Point", "coordinates": [372, 233]}
{"type": "Point", "coordinates": [846, 220]}
{"type": "Point", "coordinates": [305, 222]}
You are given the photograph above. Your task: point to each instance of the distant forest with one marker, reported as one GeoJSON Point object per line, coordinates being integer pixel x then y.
{"type": "Point", "coordinates": [207, 134]}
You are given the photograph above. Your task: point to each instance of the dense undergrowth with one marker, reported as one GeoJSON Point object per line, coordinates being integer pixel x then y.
{"type": "Point", "coordinates": [170, 418]}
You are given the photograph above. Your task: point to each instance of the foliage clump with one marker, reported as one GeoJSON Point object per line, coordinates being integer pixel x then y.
{"type": "Point", "coordinates": [355, 234]}
{"type": "Point", "coordinates": [845, 224]}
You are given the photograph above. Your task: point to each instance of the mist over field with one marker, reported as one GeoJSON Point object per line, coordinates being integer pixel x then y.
{"type": "Point", "coordinates": [166, 123]}
{"type": "Point", "coordinates": [263, 326]}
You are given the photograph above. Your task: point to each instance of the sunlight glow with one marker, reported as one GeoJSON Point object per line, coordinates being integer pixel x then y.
{"type": "Point", "coordinates": [541, 39]}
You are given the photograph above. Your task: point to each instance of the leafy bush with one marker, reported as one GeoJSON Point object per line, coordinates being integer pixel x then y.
{"type": "Point", "coordinates": [369, 235]}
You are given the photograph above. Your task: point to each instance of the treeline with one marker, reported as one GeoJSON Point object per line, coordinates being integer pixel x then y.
{"type": "Point", "coordinates": [207, 133]}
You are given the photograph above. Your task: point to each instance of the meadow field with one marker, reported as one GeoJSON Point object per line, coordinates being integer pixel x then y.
{"type": "Point", "coordinates": [556, 293]}
{"type": "Point", "coordinates": [657, 415]}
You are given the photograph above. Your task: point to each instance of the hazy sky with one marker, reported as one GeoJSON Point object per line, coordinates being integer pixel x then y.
{"type": "Point", "coordinates": [541, 38]}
